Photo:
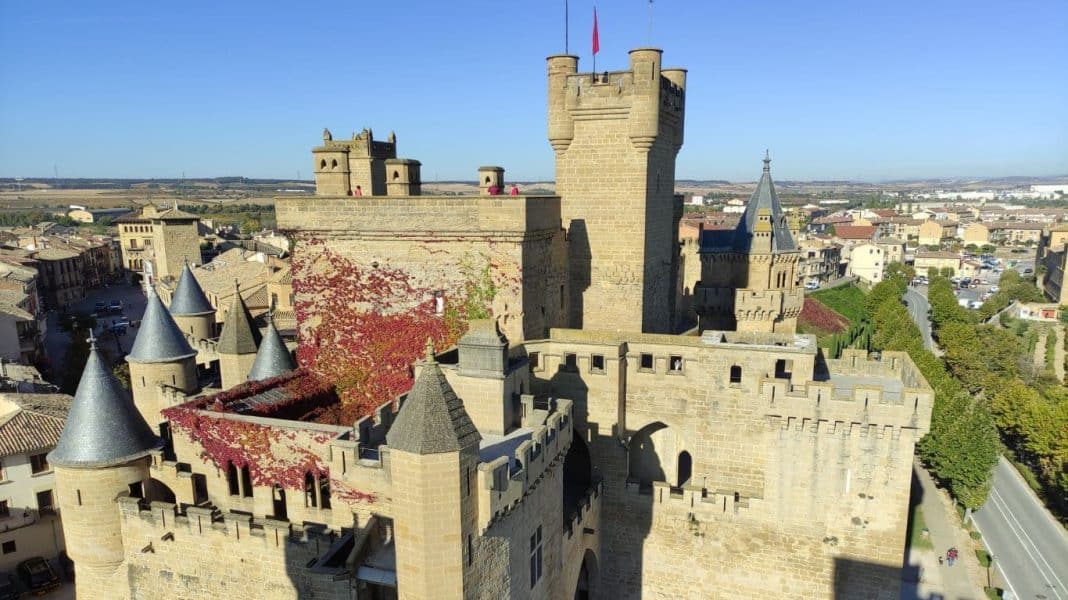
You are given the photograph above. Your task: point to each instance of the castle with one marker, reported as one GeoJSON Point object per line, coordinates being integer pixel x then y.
{"type": "Point", "coordinates": [576, 444]}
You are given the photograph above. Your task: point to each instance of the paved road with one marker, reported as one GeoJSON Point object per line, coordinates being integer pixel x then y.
{"type": "Point", "coordinates": [57, 340]}
{"type": "Point", "coordinates": [916, 298]}
{"type": "Point", "coordinates": [1030, 548]}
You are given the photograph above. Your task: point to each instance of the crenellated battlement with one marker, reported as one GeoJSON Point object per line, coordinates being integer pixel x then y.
{"type": "Point", "coordinates": [506, 479]}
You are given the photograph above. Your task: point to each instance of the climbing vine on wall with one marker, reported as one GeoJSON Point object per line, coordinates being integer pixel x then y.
{"type": "Point", "coordinates": [361, 328]}
{"type": "Point", "coordinates": [273, 455]}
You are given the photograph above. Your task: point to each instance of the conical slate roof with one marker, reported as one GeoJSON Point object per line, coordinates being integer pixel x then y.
{"type": "Point", "coordinates": [273, 358]}
{"type": "Point", "coordinates": [104, 428]}
{"type": "Point", "coordinates": [189, 298]}
{"type": "Point", "coordinates": [433, 420]}
{"type": "Point", "coordinates": [158, 339]}
{"type": "Point", "coordinates": [239, 332]}
{"type": "Point", "coordinates": [764, 198]}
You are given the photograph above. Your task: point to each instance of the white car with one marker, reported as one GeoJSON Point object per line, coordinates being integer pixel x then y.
{"type": "Point", "coordinates": [812, 285]}
{"type": "Point", "coordinates": [994, 288]}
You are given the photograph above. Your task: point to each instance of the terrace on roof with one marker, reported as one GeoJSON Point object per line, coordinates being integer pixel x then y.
{"type": "Point", "coordinates": [293, 396]}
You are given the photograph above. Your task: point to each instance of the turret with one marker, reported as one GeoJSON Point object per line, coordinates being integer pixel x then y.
{"type": "Point", "coordinates": [160, 354]}
{"type": "Point", "coordinates": [192, 312]}
{"type": "Point", "coordinates": [238, 342]}
{"type": "Point", "coordinates": [490, 181]}
{"type": "Point", "coordinates": [272, 358]}
{"type": "Point", "coordinates": [102, 453]}
{"type": "Point", "coordinates": [433, 459]}
{"type": "Point", "coordinates": [402, 177]}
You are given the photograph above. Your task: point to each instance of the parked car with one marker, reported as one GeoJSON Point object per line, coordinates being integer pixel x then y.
{"type": "Point", "coordinates": [37, 575]}
{"type": "Point", "coordinates": [994, 288]}
{"type": "Point", "coordinates": [1028, 271]}
{"type": "Point", "coordinates": [9, 589]}
{"type": "Point", "coordinates": [100, 306]}
{"type": "Point", "coordinates": [115, 306]}
{"type": "Point", "coordinates": [812, 285]}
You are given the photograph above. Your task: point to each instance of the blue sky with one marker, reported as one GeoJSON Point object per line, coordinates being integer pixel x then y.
{"type": "Point", "coordinates": [843, 90]}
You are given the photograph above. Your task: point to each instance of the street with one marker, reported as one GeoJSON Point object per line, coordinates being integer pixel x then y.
{"type": "Point", "coordinates": [1030, 548]}
{"type": "Point", "coordinates": [916, 299]}
{"type": "Point", "coordinates": [57, 340]}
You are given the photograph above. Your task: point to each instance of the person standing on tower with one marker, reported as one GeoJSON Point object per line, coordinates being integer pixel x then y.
{"type": "Point", "coordinates": [514, 191]}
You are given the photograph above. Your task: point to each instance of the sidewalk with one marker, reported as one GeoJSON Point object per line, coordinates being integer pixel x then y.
{"type": "Point", "coordinates": [959, 582]}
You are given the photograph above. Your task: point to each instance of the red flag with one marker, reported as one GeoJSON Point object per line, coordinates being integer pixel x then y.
{"type": "Point", "coordinates": [596, 38]}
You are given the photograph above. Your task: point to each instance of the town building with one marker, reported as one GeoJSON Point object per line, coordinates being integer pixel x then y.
{"type": "Point", "coordinates": [935, 259]}
{"type": "Point", "coordinates": [821, 260]}
{"type": "Point", "coordinates": [867, 262]}
{"type": "Point", "coordinates": [30, 425]}
{"type": "Point", "coordinates": [573, 445]}
{"type": "Point", "coordinates": [933, 232]}
{"type": "Point", "coordinates": [156, 243]}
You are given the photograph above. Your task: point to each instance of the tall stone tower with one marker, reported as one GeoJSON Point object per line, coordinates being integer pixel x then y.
{"type": "Point", "coordinates": [192, 312]}
{"type": "Point", "coordinates": [160, 354]}
{"type": "Point", "coordinates": [749, 275]}
{"type": "Point", "coordinates": [102, 453]}
{"type": "Point", "coordinates": [176, 239]}
{"type": "Point", "coordinates": [238, 342]}
{"type": "Point", "coordinates": [433, 462]}
{"type": "Point", "coordinates": [616, 135]}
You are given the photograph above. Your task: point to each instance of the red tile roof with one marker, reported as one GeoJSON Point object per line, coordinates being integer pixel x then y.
{"type": "Point", "coordinates": [854, 232]}
{"type": "Point", "coordinates": [36, 426]}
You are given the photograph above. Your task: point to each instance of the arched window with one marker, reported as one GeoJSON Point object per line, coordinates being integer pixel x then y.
{"type": "Point", "coordinates": [736, 374]}
{"type": "Point", "coordinates": [309, 490]}
{"type": "Point", "coordinates": [324, 490]}
{"type": "Point", "coordinates": [333, 164]}
{"type": "Point", "coordinates": [396, 175]}
{"type": "Point", "coordinates": [246, 482]}
{"type": "Point", "coordinates": [231, 479]}
{"type": "Point", "coordinates": [685, 468]}
{"type": "Point", "coordinates": [278, 498]}
{"type": "Point", "coordinates": [322, 164]}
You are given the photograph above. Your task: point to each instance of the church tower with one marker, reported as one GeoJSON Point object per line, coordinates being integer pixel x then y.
{"type": "Point", "coordinates": [434, 458]}
{"type": "Point", "coordinates": [238, 342]}
{"type": "Point", "coordinates": [101, 454]}
{"type": "Point", "coordinates": [749, 275]}
{"type": "Point", "coordinates": [192, 312]}
{"type": "Point", "coordinates": [160, 354]}
{"type": "Point", "coordinates": [616, 135]}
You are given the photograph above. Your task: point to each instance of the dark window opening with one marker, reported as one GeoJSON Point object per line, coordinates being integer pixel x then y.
{"type": "Point", "coordinates": [532, 359]}
{"type": "Point", "coordinates": [646, 362]}
{"type": "Point", "coordinates": [675, 363]}
{"type": "Point", "coordinates": [45, 502]}
{"type": "Point", "coordinates": [324, 491]}
{"type": "Point", "coordinates": [685, 468]}
{"type": "Point", "coordinates": [246, 482]}
{"type": "Point", "coordinates": [570, 362]}
{"type": "Point", "coordinates": [736, 374]}
{"type": "Point", "coordinates": [39, 463]}
{"type": "Point", "coordinates": [231, 479]}
{"type": "Point", "coordinates": [309, 490]}
{"type": "Point", "coordinates": [5, 512]}
{"type": "Point", "coordinates": [9, 547]}
{"type": "Point", "coordinates": [597, 363]}
{"type": "Point", "coordinates": [535, 557]}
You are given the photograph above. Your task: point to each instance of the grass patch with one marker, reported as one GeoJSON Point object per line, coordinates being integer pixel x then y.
{"type": "Point", "coordinates": [992, 593]}
{"type": "Point", "coordinates": [846, 300]}
{"type": "Point", "coordinates": [916, 529]}
{"type": "Point", "coordinates": [984, 558]}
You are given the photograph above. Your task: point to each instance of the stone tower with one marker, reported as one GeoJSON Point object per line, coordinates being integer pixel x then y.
{"type": "Point", "coordinates": [102, 453]}
{"type": "Point", "coordinates": [176, 239]}
{"type": "Point", "coordinates": [238, 342]}
{"type": "Point", "coordinates": [616, 135]}
{"type": "Point", "coordinates": [272, 357]}
{"type": "Point", "coordinates": [160, 354]}
{"type": "Point", "coordinates": [433, 465]}
{"type": "Point", "coordinates": [192, 312]}
{"type": "Point", "coordinates": [356, 166]}
{"type": "Point", "coordinates": [749, 275]}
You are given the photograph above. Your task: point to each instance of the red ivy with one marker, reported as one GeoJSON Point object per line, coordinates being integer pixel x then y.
{"type": "Point", "coordinates": [821, 320]}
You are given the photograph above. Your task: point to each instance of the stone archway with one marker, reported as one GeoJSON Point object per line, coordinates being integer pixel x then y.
{"type": "Point", "coordinates": [644, 463]}
{"type": "Point", "coordinates": [588, 578]}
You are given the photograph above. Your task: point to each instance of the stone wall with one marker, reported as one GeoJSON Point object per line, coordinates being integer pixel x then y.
{"type": "Point", "coordinates": [175, 242]}
{"type": "Point", "coordinates": [440, 243]}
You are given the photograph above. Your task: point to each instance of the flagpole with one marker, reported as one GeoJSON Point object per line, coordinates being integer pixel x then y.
{"type": "Point", "coordinates": [596, 42]}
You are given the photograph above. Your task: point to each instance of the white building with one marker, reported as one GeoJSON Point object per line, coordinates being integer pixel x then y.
{"type": "Point", "coordinates": [867, 262]}
{"type": "Point", "coordinates": [29, 428]}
